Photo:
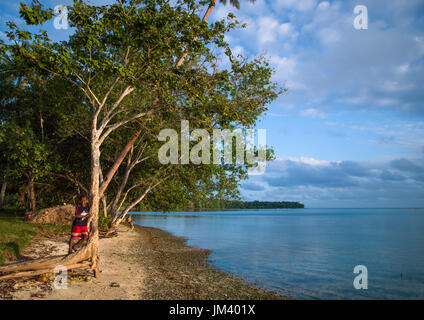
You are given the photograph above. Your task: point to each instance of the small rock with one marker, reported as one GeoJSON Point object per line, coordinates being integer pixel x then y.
{"type": "Point", "coordinates": [114, 285]}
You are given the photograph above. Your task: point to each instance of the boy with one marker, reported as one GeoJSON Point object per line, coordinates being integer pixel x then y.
{"type": "Point", "coordinates": [79, 227]}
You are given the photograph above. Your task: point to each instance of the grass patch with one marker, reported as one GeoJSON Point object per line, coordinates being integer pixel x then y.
{"type": "Point", "coordinates": [15, 234]}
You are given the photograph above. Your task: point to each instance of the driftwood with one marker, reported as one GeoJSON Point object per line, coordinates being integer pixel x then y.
{"type": "Point", "coordinates": [81, 258]}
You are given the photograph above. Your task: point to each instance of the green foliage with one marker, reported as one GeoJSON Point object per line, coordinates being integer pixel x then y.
{"type": "Point", "coordinates": [52, 90]}
{"type": "Point", "coordinates": [35, 14]}
{"type": "Point", "coordinates": [205, 204]}
{"type": "Point", "coordinates": [25, 151]}
{"type": "Point", "coordinates": [261, 205]}
{"type": "Point", "coordinates": [104, 221]}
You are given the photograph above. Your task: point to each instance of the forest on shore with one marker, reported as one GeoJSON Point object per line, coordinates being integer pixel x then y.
{"type": "Point", "coordinates": [217, 204]}
{"type": "Point", "coordinates": [83, 115]}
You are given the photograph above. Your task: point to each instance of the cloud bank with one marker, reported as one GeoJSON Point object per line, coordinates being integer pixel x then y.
{"type": "Point", "coordinates": [341, 183]}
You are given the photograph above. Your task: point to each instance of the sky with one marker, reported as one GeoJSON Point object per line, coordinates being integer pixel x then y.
{"type": "Point", "coordinates": [350, 130]}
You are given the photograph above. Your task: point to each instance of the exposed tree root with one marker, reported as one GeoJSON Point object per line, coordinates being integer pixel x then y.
{"type": "Point", "coordinates": [108, 234]}
{"type": "Point", "coordinates": [46, 265]}
{"type": "Point", "coordinates": [39, 272]}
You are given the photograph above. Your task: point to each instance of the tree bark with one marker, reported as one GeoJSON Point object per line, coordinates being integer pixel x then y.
{"type": "Point", "coordinates": [31, 195]}
{"type": "Point", "coordinates": [93, 243]}
{"type": "Point", "coordinates": [118, 162]}
{"type": "Point", "coordinates": [49, 263]}
{"type": "Point", "coordinates": [103, 197]}
{"type": "Point", "coordinates": [43, 271]}
{"type": "Point", "coordinates": [104, 206]}
{"type": "Point", "coordinates": [117, 219]}
{"type": "Point", "coordinates": [121, 186]}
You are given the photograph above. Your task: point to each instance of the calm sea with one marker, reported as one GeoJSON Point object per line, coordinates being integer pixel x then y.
{"type": "Point", "coordinates": [310, 253]}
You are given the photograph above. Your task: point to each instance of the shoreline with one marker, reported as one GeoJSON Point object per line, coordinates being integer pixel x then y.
{"type": "Point", "coordinates": [143, 264]}
{"type": "Point", "coordinates": [188, 269]}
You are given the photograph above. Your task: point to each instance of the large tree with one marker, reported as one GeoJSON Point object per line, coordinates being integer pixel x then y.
{"type": "Point", "coordinates": [124, 60]}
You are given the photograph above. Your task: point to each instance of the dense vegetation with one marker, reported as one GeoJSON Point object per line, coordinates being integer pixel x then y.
{"type": "Point", "coordinates": [238, 204]}
{"type": "Point", "coordinates": [217, 204]}
{"type": "Point", "coordinates": [118, 70]}
{"type": "Point", "coordinates": [261, 204]}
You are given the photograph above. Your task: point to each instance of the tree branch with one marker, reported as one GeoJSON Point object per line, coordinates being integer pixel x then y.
{"type": "Point", "coordinates": [117, 163]}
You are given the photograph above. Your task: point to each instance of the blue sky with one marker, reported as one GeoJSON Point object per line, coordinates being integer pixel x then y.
{"type": "Point", "coordinates": [350, 131]}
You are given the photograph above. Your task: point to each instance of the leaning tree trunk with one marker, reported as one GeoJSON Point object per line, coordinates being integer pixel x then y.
{"type": "Point", "coordinates": [117, 219]}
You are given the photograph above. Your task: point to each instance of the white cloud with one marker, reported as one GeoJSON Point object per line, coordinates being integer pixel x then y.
{"type": "Point", "coordinates": [323, 5]}
{"type": "Point", "coordinates": [284, 66]}
{"type": "Point", "coordinates": [323, 60]}
{"type": "Point", "coordinates": [238, 50]}
{"type": "Point", "coordinates": [300, 5]}
{"type": "Point", "coordinates": [287, 31]}
{"type": "Point", "coordinates": [312, 112]}
{"type": "Point", "coordinates": [267, 29]}
{"type": "Point", "coordinates": [328, 35]}
{"type": "Point", "coordinates": [403, 68]}
{"type": "Point", "coordinates": [306, 160]}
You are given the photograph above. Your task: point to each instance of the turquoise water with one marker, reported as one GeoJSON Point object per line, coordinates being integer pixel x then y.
{"type": "Point", "coordinates": [310, 253]}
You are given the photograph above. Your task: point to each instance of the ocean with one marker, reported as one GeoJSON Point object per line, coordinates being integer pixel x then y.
{"type": "Point", "coordinates": [310, 253]}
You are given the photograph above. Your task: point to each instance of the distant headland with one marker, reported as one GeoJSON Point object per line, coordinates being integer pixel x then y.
{"type": "Point", "coordinates": [239, 204]}
{"type": "Point", "coordinates": [218, 205]}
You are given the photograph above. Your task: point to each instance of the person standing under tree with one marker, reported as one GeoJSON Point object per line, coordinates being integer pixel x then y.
{"type": "Point", "coordinates": [79, 226]}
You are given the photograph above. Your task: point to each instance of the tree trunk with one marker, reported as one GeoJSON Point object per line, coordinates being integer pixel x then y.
{"type": "Point", "coordinates": [50, 262]}
{"type": "Point", "coordinates": [94, 202]}
{"type": "Point", "coordinates": [121, 188]}
{"type": "Point", "coordinates": [103, 197]}
{"type": "Point", "coordinates": [205, 18]}
{"type": "Point", "coordinates": [118, 162]}
{"type": "Point", "coordinates": [42, 271]}
{"type": "Point", "coordinates": [89, 252]}
{"type": "Point", "coordinates": [104, 206]}
{"type": "Point", "coordinates": [117, 219]}
{"type": "Point", "coordinates": [2, 193]}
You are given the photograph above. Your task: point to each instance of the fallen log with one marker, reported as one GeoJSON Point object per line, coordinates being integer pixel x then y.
{"type": "Point", "coordinates": [50, 263]}
{"type": "Point", "coordinates": [39, 272]}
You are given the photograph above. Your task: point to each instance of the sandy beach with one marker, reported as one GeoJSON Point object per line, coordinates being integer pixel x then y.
{"type": "Point", "coordinates": [144, 263]}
